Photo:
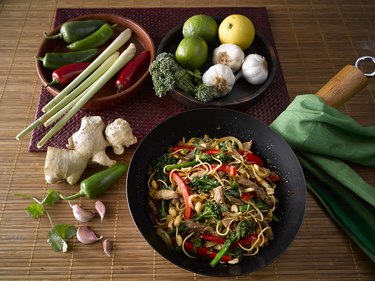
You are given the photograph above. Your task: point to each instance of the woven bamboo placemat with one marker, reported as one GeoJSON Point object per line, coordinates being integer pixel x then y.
{"type": "Point", "coordinates": [314, 40]}
{"type": "Point", "coordinates": [145, 111]}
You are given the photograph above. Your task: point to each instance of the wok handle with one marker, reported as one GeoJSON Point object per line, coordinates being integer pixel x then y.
{"type": "Point", "coordinates": [345, 84]}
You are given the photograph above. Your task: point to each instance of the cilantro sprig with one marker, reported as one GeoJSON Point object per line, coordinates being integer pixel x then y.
{"type": "Point", "coordinates": [60, 233]}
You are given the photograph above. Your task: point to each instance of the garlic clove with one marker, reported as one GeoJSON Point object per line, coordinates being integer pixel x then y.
{"type": "Point", "coordinates": [81, 214]}
{"type": "Point", "coordinates": [107, 247]}
{"type": "Point", "coordinates": [100, 208]}
{"type": "Point", "coordinates": [86, 236]}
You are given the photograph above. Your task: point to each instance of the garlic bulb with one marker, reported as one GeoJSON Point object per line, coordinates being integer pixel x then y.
{"type": "Point", "coordinates": [254, 69]}
{"type": "Point", "coordinates": [230, 55]}
{"type": "Point", "coordinates": [221, 78]}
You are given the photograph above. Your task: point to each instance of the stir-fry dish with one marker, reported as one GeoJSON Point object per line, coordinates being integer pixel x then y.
{"type": "Point", "coordinates": [212, 198]}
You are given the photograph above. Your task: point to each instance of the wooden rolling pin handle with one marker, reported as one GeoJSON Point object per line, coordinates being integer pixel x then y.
{"type": "Point", "coordinates": [345, 84]}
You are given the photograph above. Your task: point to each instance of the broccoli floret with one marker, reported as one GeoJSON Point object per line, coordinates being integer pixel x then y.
{"type": "Point", "coordinates": [243, 229]}
{"type": "Point", "coordinates": [159, 164]}
{"type": "Point", "coordinates": [211, 210]}
{"type": "Point", "coordinates": [222, 157]}
{"type": "Point", "coordinates": [204, 183]}
{"type": "Point", "coordinates": [167, 75]}
{"type": "Point", "coordinates": [162, 71]}
{"type": "Point", "coordinates": [204, 93]}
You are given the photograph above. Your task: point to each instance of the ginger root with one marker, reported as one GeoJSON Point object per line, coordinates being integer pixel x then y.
{"type": "Point", "coordinates": [87, 144]}
{"type": "Point", "coordinates": [120, 134]}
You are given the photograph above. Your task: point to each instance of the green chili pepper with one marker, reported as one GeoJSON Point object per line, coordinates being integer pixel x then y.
{"type": "Point", "coordinates": [56, 60]}
{"type": "Point", "coordinates": [98, 183]}
{"type": "Point", "coordinates": [76, 30]}
{"type": "Point", "coordinates": [94, 40]}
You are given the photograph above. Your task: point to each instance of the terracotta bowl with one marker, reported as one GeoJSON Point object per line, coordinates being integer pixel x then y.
{"type": "Point", "coordinates": [107, 96]}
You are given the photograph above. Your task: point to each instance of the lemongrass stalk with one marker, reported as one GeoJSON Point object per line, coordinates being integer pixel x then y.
{"type": "Point", "coordinates": [120, 40]}
{"type": "Point", "coordinates": [64, 110]}
{"type": "Point", "coordinates": [83, 86]}
{"type": "Point", "coordinates": [123, 59]}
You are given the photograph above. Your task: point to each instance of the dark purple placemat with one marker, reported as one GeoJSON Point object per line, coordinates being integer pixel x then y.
{"type": "Point", "coordinates": [145, 110]}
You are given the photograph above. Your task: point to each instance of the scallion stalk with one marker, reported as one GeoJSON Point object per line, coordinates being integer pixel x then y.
{"type": "Point", "coordinates": [122, 60]}
{"type": "Point", "coordinates": [120, 40]}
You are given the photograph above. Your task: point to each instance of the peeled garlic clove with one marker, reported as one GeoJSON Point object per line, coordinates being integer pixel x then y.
{"type": "Point", "coordinates": [107, 247]}
{"type": "Point", "coordinates": [81, 214]}
{"type": "Point", "coordinates": [86, 236]}
{"type": "Point", "coordinates": [100, 208]}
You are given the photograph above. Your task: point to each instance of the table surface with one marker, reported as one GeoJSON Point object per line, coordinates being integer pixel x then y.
{"type": "Point", "coordinates": [314, 40]}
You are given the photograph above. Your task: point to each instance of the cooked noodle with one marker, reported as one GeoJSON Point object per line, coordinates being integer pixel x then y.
{"type": "Point", "coordinates": [204, 189]}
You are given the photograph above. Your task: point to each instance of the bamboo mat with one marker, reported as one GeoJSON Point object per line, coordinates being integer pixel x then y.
{"type": "Point", "coordinates": [314, 40]}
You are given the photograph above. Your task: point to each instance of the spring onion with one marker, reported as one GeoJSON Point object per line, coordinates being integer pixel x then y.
{"type": "Point", "coordinates": [122, 60]}
{"type": "Point", "coordinates": [114, 46]}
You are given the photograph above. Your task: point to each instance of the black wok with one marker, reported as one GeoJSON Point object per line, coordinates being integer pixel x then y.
{"type": "Point", "coordinates": [218, 122]}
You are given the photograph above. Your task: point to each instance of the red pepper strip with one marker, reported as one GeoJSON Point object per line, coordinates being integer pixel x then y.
{"type": "Point", "coordinates": [251, 158]}
{"type": "Point", "coordinates": [65, 74]}
{"type": "Point", "coordinates": [229, 169]}
{"type": "Point", "coordinates": [204, 252]}
{"type": "Point", "coordinates": [131, 70]}
{"type": "Point", "coordinates": [185, 194]}
{"type": "Point", "coordinates": [213, 238]}
{"type": "Point", "coordinates": [245, 241]}
{"type": "Point", "coordinates": [212, 151]}
{"type": "Point", "coordinates": [247, 196]}
{"type": "Point", "coordinates": [274, 177]}
{"type": "Point", "coordinates": [179, 147]}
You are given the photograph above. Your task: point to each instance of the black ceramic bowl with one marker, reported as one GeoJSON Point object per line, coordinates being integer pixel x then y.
{"type": "Point", "coordinates": [218, 122]}
{"type": "Point", "coordinates": [243, 93]}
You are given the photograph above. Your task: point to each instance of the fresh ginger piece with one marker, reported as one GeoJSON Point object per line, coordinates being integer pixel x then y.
{"type": "Point", "coordinates": [120, 134]}
{"type": "Point", "coordinates": [89, 140]}
{"type": "Point", "coordinates": [64, 164]}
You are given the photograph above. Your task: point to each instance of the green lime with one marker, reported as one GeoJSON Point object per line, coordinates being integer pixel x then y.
{"type": "Point", "coordinates": [201, 25]}
{"type": "Point", "coordinates": [192, 52]}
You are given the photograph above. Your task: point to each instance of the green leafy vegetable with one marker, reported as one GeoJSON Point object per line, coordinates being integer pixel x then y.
{"type": "Point", "coordinates": [204, 183]}
{"type": "Point", "coordinates": [57, 236]}
{"type": "Point", "coordinates": [60, 232]}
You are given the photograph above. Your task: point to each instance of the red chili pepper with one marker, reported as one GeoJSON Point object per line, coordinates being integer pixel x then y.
{"type": "Point", "coordinates": [185, 194]}
{"type": "Point", "coordinates": [213, 238]}
{"type": "Point", "coordinates": [65, 74]}
{"type": "Point", "coordinates": [131, 70]}
{"type": "Point", "coordinates": [204, 252]}
{"type": "Point", "coordinates": [251, 158]}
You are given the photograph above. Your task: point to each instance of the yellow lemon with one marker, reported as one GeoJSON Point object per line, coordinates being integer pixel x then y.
{"type": "Point", "coordinates": [191, 52]}
{"type": "Point", "coordinates": [237, 29]}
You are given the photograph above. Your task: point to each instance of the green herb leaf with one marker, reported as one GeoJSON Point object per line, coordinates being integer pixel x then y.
{"type": "Point", "coordinates": [66, 231]}
{"type": "Point", "coordinates": [57, 235]}
{"type": "Point", "coordinates": [35, 210]}
{"type": "Point", "coordinates": [52, 197]}
{"type": "Point", "coordinates": [57, 243]}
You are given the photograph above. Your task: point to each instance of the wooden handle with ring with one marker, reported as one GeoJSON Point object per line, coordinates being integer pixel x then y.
{"type": "Point", "coordinates": [345, 84]}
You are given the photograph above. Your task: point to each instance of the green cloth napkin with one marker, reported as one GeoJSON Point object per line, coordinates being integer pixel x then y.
{"type": "Point", "coordinates": [325, 140]}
